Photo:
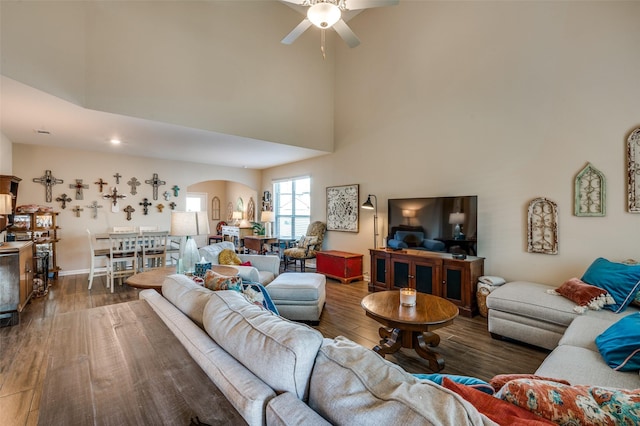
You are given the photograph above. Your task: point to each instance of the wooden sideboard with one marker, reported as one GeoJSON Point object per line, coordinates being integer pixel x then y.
{"type": "Point", "coordinates": [236, 233]}
{"type": "Point", "coordinates": [428, 272]}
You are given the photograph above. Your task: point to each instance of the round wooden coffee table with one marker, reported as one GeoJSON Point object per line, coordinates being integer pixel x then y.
{"type": "Point", "coordinates": [410, 327]}
{"type": "Point", "coordinates": [155, 277]}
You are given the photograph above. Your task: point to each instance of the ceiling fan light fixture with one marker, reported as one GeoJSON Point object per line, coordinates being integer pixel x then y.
{"type": "Point", "coordinates": [324, 15]}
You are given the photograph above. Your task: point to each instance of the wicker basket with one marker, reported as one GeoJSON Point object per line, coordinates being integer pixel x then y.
{"type": "Point", "coordinates": [482, 294]}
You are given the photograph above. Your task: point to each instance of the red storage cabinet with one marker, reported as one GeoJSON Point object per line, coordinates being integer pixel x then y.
{"type": "Point", "coordinates": [339, 265]}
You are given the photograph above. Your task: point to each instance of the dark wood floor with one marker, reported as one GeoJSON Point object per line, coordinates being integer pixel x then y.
{"type": "Point", "coordinates": [466, 345]}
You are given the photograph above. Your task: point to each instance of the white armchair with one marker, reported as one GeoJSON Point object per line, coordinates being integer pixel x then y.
{"type": "Point", "coordinates": [263, 269]}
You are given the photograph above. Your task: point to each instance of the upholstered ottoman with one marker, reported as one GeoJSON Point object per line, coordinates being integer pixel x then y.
{"type": "Point", "coordinates": [299, 296]}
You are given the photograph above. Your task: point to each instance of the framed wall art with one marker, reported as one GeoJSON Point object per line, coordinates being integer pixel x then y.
{"type": "Point", "coordinates": [342, 208]}
{"type": "Point", "coordinates": [633, 171]}
{"type": "Point", "coordinates": [215, 208]}
{"type": "Point", "coordinates": [590, 190]}
{"type": "Point", "coordinates": [542, 235]}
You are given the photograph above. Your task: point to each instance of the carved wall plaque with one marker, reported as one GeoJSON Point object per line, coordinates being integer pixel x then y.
{"type": "Point", "coordinates": [633, 170]}
{"type": "Point", "coordinates": [590, 191]}
{"type": "Point", "coordinates": [542, 226]}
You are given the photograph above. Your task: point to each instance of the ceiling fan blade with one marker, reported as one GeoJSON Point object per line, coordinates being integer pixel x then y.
{"type": "Point", "coordinates": [345, 32]}
{"type": "Point", "coordinates": [293, 1]}
{"type": "Point", "coordinates": [366, 4]}
{"type": "Point", "coordinates": [297, 32]}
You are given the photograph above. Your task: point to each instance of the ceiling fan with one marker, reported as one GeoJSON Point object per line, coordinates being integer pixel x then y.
{"type": "Point", "coordinates": [326, 14]}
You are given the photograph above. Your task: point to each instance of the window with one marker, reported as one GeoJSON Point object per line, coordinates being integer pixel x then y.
{"type": "Point", "coordinates": [292, 207]}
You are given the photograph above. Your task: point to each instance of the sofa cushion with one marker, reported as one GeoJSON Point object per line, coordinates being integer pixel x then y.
{"type": "Point", "coordinates": [215, 281]}
{"type": "Point", "coordinates": [591, 370]}
{"type": "Point", "coordinates": [619, 345]}
{"type": "Point", "coordinates": [584, 295]}
{"type": "Point", "coordinates": [622, 281]}
{"type": "Point", "coordinates": [582, 405]}
{"type": "Point", "coordinates": [228, 257]}
{"type": "Point", "coordinates": [583, 330]}
{"type": "Point", "coordinates": [186, 295]}
{"type": "Point", "coordinates": [278, 351]}
{"type": "Point", "coordinates": [532, 300]}
{"type": "Point", "coordinates": [496, 409]}
{"type": "Point", "coordinates": [353, 385]}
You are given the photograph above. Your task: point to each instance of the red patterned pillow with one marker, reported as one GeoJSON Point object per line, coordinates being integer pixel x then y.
{"type": "Point", "coordinates": [584, 295]}
{"type": "Point", "coordinates": [497, 410]}
{"type": "Point", "coordinates": [501, 379]}
{"type": "Point", "coordinates": [580, 404]}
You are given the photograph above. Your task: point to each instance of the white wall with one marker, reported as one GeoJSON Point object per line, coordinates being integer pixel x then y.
{"type": "Point", "coordinates": [31, 161]}
{"type": "Point", "coordinates": [504, 100]}
{"type": "Point", "coordinates": [6, 155]}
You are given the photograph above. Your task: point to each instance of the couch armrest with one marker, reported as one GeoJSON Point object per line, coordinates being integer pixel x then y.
{"type": "Point", "coordinates": [261, 262]}
{"type": "Point", "coordinates": [396, 244]}
{"type": "Point", "coordinates": [286, 409]}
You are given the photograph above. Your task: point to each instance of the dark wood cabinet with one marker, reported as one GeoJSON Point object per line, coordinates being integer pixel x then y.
{"type": "Point", "coordinates": [428, 272]}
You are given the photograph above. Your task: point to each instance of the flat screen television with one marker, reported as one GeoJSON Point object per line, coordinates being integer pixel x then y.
{"type": "Point", "coordinates": [453, 220]}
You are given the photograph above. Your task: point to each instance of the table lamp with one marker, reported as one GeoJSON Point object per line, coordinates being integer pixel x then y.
{"type": "Point", "coordinates": [267, 217]}
{"type": "Point", "coordinates": [236, 216]}
{"type": "Point", "coordinates": [456, 219]}
{"type": "Point", "coordinates": [189, 224]}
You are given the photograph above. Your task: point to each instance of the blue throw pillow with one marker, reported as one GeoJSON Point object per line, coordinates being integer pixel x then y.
{"type": "Point", "coordinates": [267, 303]}
{"type": "Point", "coordinates": [472, 382]}
{"type": "Point", "coordinates": [619, 345]}
{"type": "Point", "coordinates": [620, 280]}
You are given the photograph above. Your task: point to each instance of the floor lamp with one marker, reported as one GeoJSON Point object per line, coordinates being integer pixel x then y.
{"type": "Point", "coordinates": [373, 206]}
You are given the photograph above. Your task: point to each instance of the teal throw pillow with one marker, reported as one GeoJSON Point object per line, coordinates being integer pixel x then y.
{"type": "Point", "coordinates": [620, 280]}
{"type": "Point", "coordinates": [619, 345]}
{"type": "Point", "coordinates": [472, 382]}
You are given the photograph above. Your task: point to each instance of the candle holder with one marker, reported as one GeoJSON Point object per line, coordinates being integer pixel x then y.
{"type": "Point", "coordinates": [408, 297]}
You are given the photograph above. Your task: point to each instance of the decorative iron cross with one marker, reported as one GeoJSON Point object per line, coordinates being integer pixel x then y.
{"type": "Point", "coordinates": [94, 206]}
{"type": "Point", "coordinates": [160, 207]}
{"type": "Point", "coordinates": [155, 182]}
{"type": "Point", "coordinates": [77, 210]}
{"type": "Point", "coordinates": [117, 176]}
{"type": "Point", "coordinates": [48, 181]}
{"type": "Point", "coordinates": [78, 186]}
{"type": "Point", "coordinates": [114, 199]}
{"type": "Point", "coordinates": [101, 183]}
{"type": "Point", "coordinates": [172, 205]}
{"type": "Point", "coordinates": [175, 190]}
{"type": "Point", "coordinates": [166, 195]}
{"type": "Point", "coordinates": [129, 210]}
{"type": "Point", "coordinates": [145, 206]}
{"type": "Point", "coordinates": [64, 200]}
{"type": "Point", "coordinates": [133, 183]}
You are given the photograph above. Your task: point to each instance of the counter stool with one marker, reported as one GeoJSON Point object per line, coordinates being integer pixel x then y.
{"type": "Point", "coordinates": [299, 296]}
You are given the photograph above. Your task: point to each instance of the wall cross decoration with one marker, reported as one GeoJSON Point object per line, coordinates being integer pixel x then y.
{"type": "Point", "coordinates": [633, 171]}
{"type": "Point", "coordinates": [78, 186]}
{"type": "Point", "coordinates": [175, 190]}
{"type": "Point", "coordinates": [64, 200]}
{"type": "Point", "coordinates": [129, 210]}
{"type": "Point", "coordinates": [101, 183]}
{"type": "Point", "coordinates": [77, 210]}
{"type": "Point", "coordinates": [48, 181]}
{"type": "Point", "coordinates": [133, 183]}
{"type": "Point", "coordinates": [117, 176]}
{"type": "Point", "coordinates": [94, 206]}
{"type": "Point", "coordinates": [114, 196]}
{"type": "Point", "coordinates": [172, 205]}
{"type": "Point", "coordinates": [145, 206]}
{"type": "Point", "coordinates": [155, 182]}
{"type": "Point", "coordinates": [160, 207]}
{"type": "Point", "coordinates": [166, 195]}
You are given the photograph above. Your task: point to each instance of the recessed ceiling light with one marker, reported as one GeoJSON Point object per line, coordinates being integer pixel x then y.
{"type": "Point", "coordinates": [115, 141]}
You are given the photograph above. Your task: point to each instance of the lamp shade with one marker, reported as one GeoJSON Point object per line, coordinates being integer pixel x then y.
{"type": "Point", "coordinates": [5, 204]}
{"type": "Point", "coordinates": [189, 224]}
{"type": "Point", "coordinates": [408, 213]}
{"type": "Point", "coordinates": [324, 15]}
{"type": "Point", "coordinates": [456, 218]}
{"type": "Point", "coordinates": [267, 216]}
{"type": "Point", "coordinates": [368, 205]}
{"type": "Point", "coordinates": [236, 215]}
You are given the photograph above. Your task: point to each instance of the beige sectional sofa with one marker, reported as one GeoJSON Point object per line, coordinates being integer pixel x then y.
{"type": "Point", "coordinates": [527, 312]}
{"type": "Point", "coordinates": [278, 372]}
